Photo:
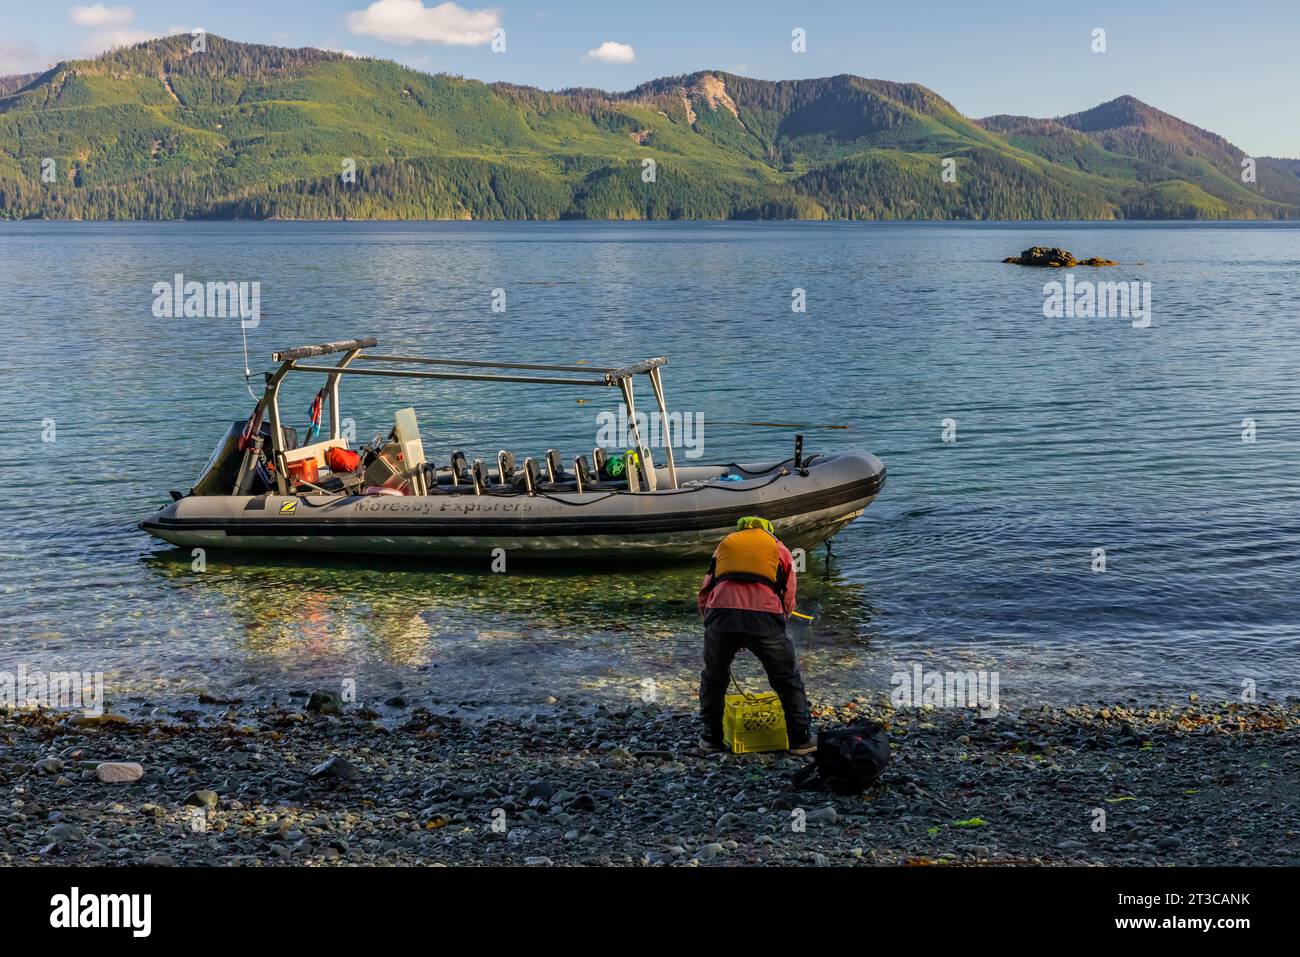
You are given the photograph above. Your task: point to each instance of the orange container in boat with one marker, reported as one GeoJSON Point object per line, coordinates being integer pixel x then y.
{"type": "Point", "coordinates": [304, 470]}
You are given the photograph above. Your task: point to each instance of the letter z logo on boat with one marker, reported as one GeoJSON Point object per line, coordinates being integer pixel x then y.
{"type": "Point", "coordinates": [289, 508]}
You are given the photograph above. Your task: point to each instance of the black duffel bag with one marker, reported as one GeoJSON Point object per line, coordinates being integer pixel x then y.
{"type": "Point", "coordinates": [847, 760]}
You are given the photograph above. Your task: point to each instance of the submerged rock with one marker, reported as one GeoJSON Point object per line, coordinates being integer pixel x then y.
{"type": "Point", "coordinates": [1054, 256]}
{"type": "Point", "coordinates": [99, 720]}
{"type": "Point", "coordinates": [325, 702]}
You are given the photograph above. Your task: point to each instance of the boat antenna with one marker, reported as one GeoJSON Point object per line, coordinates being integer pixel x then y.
{"type": "Point", "coordinates": [243, 331]}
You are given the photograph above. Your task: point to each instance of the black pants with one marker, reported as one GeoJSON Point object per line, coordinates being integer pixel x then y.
{"type": "Point", "coordinates": [726, 631]}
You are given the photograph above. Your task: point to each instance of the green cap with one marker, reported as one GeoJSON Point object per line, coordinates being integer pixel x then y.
{"type": "Point", "coordinates": [753, 521]}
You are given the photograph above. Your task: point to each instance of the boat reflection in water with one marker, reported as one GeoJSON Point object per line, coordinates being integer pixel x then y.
{"type": "Point", "coordinates": [480, 640]}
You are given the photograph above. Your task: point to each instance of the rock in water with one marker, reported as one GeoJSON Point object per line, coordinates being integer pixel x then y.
{"type": "Point", "coordinates": [119, 772]}
{"type": "Point", "coordinates": [325, 702]}
{"type": "Point", "coordinates": [1055, 257]}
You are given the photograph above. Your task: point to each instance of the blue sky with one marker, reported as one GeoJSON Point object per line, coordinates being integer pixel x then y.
{"type": "Point", "coordinates": [1230, 68]}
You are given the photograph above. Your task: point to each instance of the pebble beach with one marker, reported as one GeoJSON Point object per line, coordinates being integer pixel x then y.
{"type": "Point", "coordinates": [314, 782]}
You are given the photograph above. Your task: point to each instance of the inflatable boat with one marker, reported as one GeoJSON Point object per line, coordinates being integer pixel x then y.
{"type": "Point", "coordinates": [263, 489]}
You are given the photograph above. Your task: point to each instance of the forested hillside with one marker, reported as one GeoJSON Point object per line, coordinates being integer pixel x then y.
{"type": "Point", "coordinates": [157, 131]}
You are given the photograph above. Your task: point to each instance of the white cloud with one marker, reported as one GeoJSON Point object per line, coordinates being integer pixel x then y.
{"type": "Point", "coordinates": [101, 16]}
{"type": "Point", "coordinates": [410, 21]}
{"type": "Point", "coordinates": [16, 58]}
{"type": "Point", "coordinates": [611, 52]}
{"type": "Point", "coordinates": [103, 28]}
{"type": "Point", "coordinates": [110, 28]}
{"type": "Point", "coordinates": [103, 40]}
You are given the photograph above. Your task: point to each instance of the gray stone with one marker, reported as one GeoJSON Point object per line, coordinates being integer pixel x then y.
{"type": "Point", "coordinates": [119, 772]}
{"type": "Point", "coordinates": [337, 767]}
{"type": "Point", "coordinates": [823, 815]}
{"type": "Point", "coordinates": [65, 833]}
{"type": "Point", "coordinates": [539, 789]}
{"type": "Point", "coordinates": [708, 852]}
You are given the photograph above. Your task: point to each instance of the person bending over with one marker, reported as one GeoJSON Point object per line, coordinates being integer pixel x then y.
{"type": "Point", "coordinates": [747, 596]}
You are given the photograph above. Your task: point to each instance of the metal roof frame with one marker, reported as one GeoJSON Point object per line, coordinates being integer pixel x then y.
{"type": "Point", "coordinates": [353, 350]}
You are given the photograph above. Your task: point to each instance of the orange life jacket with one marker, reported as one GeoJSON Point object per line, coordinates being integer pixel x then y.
{"type": "Point", "coordinates": [751, 554]}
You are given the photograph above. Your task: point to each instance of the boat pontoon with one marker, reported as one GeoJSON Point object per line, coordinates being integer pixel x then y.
{"type": "Point", "coordinates": [262, 489]}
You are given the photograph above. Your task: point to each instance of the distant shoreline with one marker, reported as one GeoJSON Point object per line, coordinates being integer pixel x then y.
{"type": "Point", "coordinates": [1116, 223]}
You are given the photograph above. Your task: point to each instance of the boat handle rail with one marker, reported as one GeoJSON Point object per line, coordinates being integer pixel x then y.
{"type": "Point", "coordinates": [324, 349]}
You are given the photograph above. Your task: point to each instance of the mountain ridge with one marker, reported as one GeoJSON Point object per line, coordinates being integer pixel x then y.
{"type": "Point", "coordinates": [157, 131]}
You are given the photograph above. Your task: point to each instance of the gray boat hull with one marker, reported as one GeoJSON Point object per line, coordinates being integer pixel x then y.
{"type": "Point", "coordinates": [806, 507]}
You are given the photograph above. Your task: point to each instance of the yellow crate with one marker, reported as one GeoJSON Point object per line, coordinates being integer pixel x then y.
{"type": "Point", "coordinates": [754, 722]}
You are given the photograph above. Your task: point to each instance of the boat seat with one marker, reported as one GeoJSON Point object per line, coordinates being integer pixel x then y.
{"type": "Point", "coordinates": [455, 479]}
{"type": "Point", "coordinates": [437, 481]}
{"type": "Point", "coordinates": [479, 477]}
{"type": "Point", "coordinates": [532, 476]}
{"type": "Point", "coordinates": [554, 468]}
{"type": "Point", "coordinates": [505, 468]}
{"type": "Point", "coordinates": [583, 474]}
{"type": "Point", "coordinates": [460, 469]}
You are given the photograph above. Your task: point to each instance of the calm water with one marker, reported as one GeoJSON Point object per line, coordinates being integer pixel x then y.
{"type": "Point", "coordinates": [1072, 434]}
